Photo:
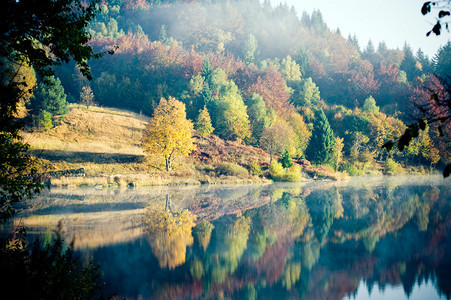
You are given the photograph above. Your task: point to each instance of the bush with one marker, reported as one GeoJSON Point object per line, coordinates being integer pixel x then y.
{"type": "Point", "coordinates": [392, 167]}
{"type": "Point", "coordinates": [351, 169]}
{"type": "Point", "coordinates": [275, 169]}
{"type": "Point", "coordinates": [231, 169]}
{"type": "Point", "coordinates": [278, 173]}
{"type": "Point", "coordinates": [255, 169]}
{"type": "Point", "coordinates": [45, 120]}
{"type": "Point", "coordinates": [293, 174]}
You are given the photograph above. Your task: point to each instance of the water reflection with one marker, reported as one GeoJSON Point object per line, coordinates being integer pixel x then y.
{"type": "Point", "coordinates": [311, 241]}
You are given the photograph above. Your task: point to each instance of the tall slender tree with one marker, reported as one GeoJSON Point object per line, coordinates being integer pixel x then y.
{"type": "Point", "coordinates": [321, 146]}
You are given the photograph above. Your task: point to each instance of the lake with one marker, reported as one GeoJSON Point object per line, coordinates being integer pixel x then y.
{"type": "Point", "coordinates": [369, 238]}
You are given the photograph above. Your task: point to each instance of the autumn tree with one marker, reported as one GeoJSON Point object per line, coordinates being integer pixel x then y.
{"type": "Point", "coordinates": [277, 138]}
{"type": "Point", "coordinates": [87, 96]}
{"type": "Point", "coordinates": [169, 132]}
{"type": "Point", "coordinates": [203, 123]}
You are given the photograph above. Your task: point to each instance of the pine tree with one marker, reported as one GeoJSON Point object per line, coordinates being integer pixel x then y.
{"type": "Point", "coordinates": [321, 146]}
{"type": "Point", "coordinates": [203, 123]}
{"type": "Point", "coordinates": [207, 70]}
{"type": "Point", "coordinates": [285, 160]}
{"type": "Point", "coordinates": [49, 100]}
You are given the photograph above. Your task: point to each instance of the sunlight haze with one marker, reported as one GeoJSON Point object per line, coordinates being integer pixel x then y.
{"type": "Point", "coordinates": [394, 22]}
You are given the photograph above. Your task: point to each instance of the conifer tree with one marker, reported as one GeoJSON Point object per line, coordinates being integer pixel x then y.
{"type": "Point", "coordinates": [203, 123]}
{"type": "Point", "coordinates": [285, 159]}
{"type": "Point", "coordinates": [48, 102]}
{"type": "Point", "coordinates": [321, 146]}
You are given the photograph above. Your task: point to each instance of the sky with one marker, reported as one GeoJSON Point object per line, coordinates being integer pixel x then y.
{"type": "Point", "coordinates": [392, 21]}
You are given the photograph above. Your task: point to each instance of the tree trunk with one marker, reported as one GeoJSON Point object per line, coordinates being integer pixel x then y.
{"type": "Point", "coordinates": [168, 161]}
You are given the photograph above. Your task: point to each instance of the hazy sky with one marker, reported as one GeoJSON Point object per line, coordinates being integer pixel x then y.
{"type": "Point", "coordinates": [392, 21]}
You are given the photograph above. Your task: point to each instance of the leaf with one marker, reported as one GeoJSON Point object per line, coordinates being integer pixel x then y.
{"type": "Point", "coordinates": [447, 171]}
{"type": "Point", "coordinates": [443, 13]}
{"type": "Point", "coordinates": [426, 8]}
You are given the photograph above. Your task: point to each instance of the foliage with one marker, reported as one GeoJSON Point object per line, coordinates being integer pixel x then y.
{"type": "Point", "coordinates": [232, 169]}
{"type": "Point", "coordinates": [169, 132]}
{"type": "Point", "coordinates": [87, 96]}
{"type": "Point", "coordinates": [48, 103]}
{"type": "Point", "coordinates": [20, 178]}
{"type": "Point", "coordinates": [285, 160]}
{"type": "Point", "coordinates": [169, 235]}
{"type": "Point", "coordinates": [255, 169]}
{"type": "Point", "coordinates": [370, 106]}
{"type": "Point", "coordinates": [203, 123]}
{"type": "Point", "coordinates": [277, 138]}
{"type": "Point", "coordinates": [392, 167]}
{"type": "Point", "coordinates": [320, 148]}
{"type": "Point", "coordinates": [47, 270]}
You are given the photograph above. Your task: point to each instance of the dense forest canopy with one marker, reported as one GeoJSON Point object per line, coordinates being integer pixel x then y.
{"type": "Point", "coordinates": [255, 66]}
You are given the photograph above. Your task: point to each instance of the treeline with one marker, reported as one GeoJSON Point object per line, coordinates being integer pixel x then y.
{"type": "Point", "coordinates": [266, 76]}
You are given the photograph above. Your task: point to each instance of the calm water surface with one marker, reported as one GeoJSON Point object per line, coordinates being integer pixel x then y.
{"type": "Point", "coordinates": [370, 238]}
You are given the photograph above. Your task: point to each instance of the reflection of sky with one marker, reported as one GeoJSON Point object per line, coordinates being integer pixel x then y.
{"type": "Point", "coordinates": [419, 292]}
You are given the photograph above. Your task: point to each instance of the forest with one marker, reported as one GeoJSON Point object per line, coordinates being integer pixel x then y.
{"type": "Point", "coordinates": [263, 76]}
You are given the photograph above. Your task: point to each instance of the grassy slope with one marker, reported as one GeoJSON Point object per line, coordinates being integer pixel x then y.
{"type": "Point", "coordinates": [106, 142]}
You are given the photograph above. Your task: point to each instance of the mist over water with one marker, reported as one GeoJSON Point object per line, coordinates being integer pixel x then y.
{"type": "Point", "coordinates": [370, 238]}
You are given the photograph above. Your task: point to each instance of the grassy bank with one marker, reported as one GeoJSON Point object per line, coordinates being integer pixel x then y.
{"type": "Point", "coordinates": [106, 143]}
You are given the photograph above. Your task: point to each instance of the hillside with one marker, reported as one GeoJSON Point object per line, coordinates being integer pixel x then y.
{"type": "Point", "coordinates": [106, 143]}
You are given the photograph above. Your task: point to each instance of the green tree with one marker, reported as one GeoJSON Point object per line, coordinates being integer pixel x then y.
{"type": "Point", "coordinates": [203, 123]}
{"type": "Point", "coordinates": [370, 106]}
{"type": "Point", "coordinates": [321, 146]}
{"type": "Point", "coordinates": [250, 49]}
{"type": "Point", "coordinates": [40, 34]}
{"type": "Point", "coordinates": [308, 94]}
{"type": "Point", "coordinates": [49, 100]}
{"type": "Point", "coordinates": [256, 109]}
{"type": "Point", "coordinates": [285, 160]}
{"type": "Point", "coordinates": [228, 112]}
{"type": "Point", "coordinates": [169, 132]}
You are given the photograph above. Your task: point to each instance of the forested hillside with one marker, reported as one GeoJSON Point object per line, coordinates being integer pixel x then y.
{"type": "Point", "coordinates": [267, 77]}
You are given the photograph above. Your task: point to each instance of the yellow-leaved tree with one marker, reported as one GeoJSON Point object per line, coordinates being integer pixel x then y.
{"type": "Point", "coordinates": [169, 132]}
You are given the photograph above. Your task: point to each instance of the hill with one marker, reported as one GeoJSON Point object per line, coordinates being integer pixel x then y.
{"type": "Point", "coordinates": [105, 143]}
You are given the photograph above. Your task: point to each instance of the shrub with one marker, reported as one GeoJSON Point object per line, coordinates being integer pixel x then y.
{"type": "Point", "coordinates": [278, 173]}
{"type": "Point", "coordinates": [255, 169]}
{"type": "Point", "coordinates": [293, 174]}
{"type": "Point", "coordinates": [231, 169]}
{"type": "Point", "coordinates": [275, 169]}
{"type": "Point", "coordinates": [392, 167]}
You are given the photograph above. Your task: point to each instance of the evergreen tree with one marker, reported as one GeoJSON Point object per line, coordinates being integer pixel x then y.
{"type": "Point", "coordinates": [442, 62]}
{"type": "Point", "coordinates": [163, 37]}
{"type": "Point", "coordinates": [369, 50]}
{"type": "Point", "coordinates": [207, 70]}
{"type": "Point", "coordinates": [48, 102]}
{"type": "Point", "coordinates": [321, 146]}
{"type": "Point", "coordinates": [203, 123]}
{"type": "Point", "coordinates": [409, 63]}
{"type": "Point", "coordinates": [285, 159]}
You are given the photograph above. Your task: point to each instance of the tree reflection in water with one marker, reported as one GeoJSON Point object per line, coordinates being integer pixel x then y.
{"type": "Point", "coordinates": [318, 242]}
